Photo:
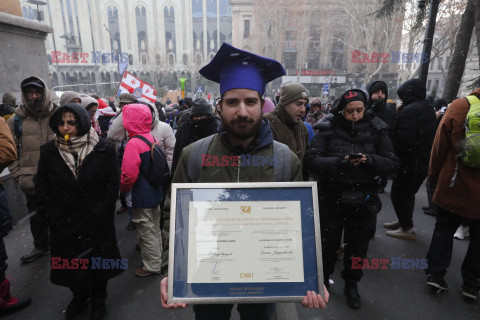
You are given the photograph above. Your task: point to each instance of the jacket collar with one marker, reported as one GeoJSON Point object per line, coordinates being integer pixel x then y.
{"type": "Point", "coordinates": [263, 139]}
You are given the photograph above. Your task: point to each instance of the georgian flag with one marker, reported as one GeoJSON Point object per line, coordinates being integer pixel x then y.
{"type": "Point", "coordinates": [140, 89]}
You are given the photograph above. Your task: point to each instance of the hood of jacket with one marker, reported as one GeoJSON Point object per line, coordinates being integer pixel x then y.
{"type": "Point", "coordinates": [283, 115]}
{"type": "Point", "coordinates": [375, 105]}
{"type": "Point", "coordinates": [375, 85]}
{"type": "Point", "coordinates": [80, 114]}
{"type": "Point", "coordinates": [46, 106]}
{"type": "Point", "coordinates": [137, 119]}
{"type": "Point", "coordinates": [263, 139]}
{"type": "Point", "coordinates": [411, 91]}
{"type": "Point", "coordinates": [324, 124]}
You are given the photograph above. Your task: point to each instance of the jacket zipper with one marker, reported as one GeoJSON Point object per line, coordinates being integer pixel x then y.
{"type": "Point", "coordinates": [238, 168]}
{"type": "Point", "coordinates": [353, 127]}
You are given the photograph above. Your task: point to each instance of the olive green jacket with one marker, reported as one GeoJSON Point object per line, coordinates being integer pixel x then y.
{"type": "Point", "coordinates": [214, 171]}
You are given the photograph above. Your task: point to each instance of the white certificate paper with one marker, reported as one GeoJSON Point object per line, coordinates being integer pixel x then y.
{"type": "Point", "coordinates": [245, 241]}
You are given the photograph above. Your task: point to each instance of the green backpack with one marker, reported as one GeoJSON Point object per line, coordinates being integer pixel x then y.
{"type": "Point", "coordinates": [470, 156]}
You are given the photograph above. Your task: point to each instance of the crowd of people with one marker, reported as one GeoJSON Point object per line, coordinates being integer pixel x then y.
{"type": "Point", "coordinates": [74, 158]}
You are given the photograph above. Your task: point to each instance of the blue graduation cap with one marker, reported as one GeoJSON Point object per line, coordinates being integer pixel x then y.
{"type": "Point", "coordinates": [233, 68]}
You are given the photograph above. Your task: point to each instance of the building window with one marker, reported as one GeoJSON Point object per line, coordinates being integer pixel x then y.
{"type": "Point", "coordinates": [113, 26]}
{"type": "Point", "coordinates": [246, 29]}
{"type": "Point", "coordinates": [337, 51]}
{"type": "Point", "coordinates": [290, 60]}
{"type": "Point", "coordinates": [225, 13]}
{"type": "Point", "coordinates": [141, 19]}
{"type": "Point", "coordinates": [429, 84]}
{"type": "Point", "coordinates": [169, 24]}
{"type": "Point", "coordinates": [314, 50]}
{"type": "Point", "coordinates": [197, 21]}
{"type": "Point", "coordinates": [212, 32]}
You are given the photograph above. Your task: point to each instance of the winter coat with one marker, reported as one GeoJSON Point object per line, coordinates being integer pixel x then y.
{"type": "Point", "coordinates": [335, 139]}
{"type": "Point", "coordinates": [34, 133]}
{"type": "Point", "coordinates": [6, 111]}
{"type": "Point", "coordinates": [414, 129]}
{"type": "Point", "coordinates": [181, 117]}
{"type": "Point", "coordinates": [162, 132]}
{"type": "Point", "coordinates": [80, 212]}
{"type": "Point", "coordinates": [8, 154]}
{"type": "Point", "coordinates": [191, 131]}
{"type": "Point", "coordinates": [137, 157]}
{"type": "Point", "coordinates": [104, 117]}
{"type": "Point", "coordinates": [161, 115]}
{"type": "Point", "coordinates": [221, 147]}
{"type": "Point", "coordinates": [8, 150]}
{"type": "Point", "coordinates": [461, 197]}
{"type": "Point", "coordinates": [288, 131]}
{"type": "Point", "coordinates": [380, 109]}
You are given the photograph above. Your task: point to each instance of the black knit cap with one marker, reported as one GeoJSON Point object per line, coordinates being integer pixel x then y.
{"type": "Point", "coordinates": [201, 108]}
{"type": "Point", "coordinates": [82, 119]}
{"type": "Point", "coordinates": [350, 96]}
{"type": "Point", "coordinates": [188, 101]}
{"type": "Point", "coordinates": [377, 85]}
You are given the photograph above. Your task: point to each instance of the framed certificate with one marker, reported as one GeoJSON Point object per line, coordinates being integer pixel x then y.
{"type": "Point", "coordinates": [244, 242]}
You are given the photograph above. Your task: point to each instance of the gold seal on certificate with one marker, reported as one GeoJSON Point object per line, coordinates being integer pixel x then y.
{"type": "Point", "coordinates": [219, 231]}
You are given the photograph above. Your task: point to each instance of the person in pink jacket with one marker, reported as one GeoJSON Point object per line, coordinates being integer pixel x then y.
{"type": "Point", "coordinates": [146, 199]}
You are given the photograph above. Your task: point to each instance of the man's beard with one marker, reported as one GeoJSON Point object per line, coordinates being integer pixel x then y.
{"type": "Point", "coordinates": [35, 104]}
{"type": "Point", "coordinates": [251, 129]}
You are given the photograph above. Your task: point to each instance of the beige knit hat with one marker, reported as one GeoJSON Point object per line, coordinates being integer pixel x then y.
{"type": "Point", "coordinates": [68, 96]}
{"type": "Point", "coordinates": [9, 99]}
{"type": "Point", "coordinates": [292, 92]}
{"type": "Point", "coordinates": [127, 98]}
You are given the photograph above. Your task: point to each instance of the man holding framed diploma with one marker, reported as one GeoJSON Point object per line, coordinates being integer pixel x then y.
{"type": "Point", "coordinates": [242, 242]}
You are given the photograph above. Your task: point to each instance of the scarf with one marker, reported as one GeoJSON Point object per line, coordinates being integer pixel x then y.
{"type": "Point", "coordinates": [75, 150]}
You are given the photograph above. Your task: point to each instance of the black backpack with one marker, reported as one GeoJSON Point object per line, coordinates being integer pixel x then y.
{"type": "Point", "coordinates": [158, 174]}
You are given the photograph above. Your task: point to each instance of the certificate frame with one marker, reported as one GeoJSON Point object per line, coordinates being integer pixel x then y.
{"type": "Point", "coordinates": [183, 198]}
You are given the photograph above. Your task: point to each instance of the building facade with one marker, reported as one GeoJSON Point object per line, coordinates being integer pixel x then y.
{"type": "Point", "coordinates": [157, 41]}
{"type": "Point", "coordinates": [315, 41]}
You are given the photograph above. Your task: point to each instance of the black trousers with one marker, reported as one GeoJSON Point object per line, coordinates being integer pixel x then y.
{"type": "Point", "coordinates": [404, 187]}
{"type": "Point", "coordinates": [430, 186]}
{"type": "Point", "coordinates": [98, 291]}
{"type": "Point", "coordinates": [38, 224]}
{"type": "Point", "coordinates": [440, 253]}
{"type": "Point", "coordinates": [383, 182]}
{"type": "Point", "coordinates": [3, 260]}
{"type": "Point", "coordinates": [248, 311]}
{"type": "Point", "coordinates": [355, 224]}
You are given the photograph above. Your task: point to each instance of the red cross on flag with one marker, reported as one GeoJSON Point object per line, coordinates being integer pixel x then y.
{"type": "Point", "coordinates": [140, 89]}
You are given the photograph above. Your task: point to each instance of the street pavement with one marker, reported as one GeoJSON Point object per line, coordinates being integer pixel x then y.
{"type": "Point", "coordinates": [386, 294]}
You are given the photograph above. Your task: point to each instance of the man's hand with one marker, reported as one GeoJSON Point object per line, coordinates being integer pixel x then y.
{"type": "Point", "coordinates": [164, 296]}
{"type": "Point", "coordinates": [357, 161]}
{"type": "Point", "coordinates": [315, 301]}
{"type": "Point", "coordinates": [399, 105]}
